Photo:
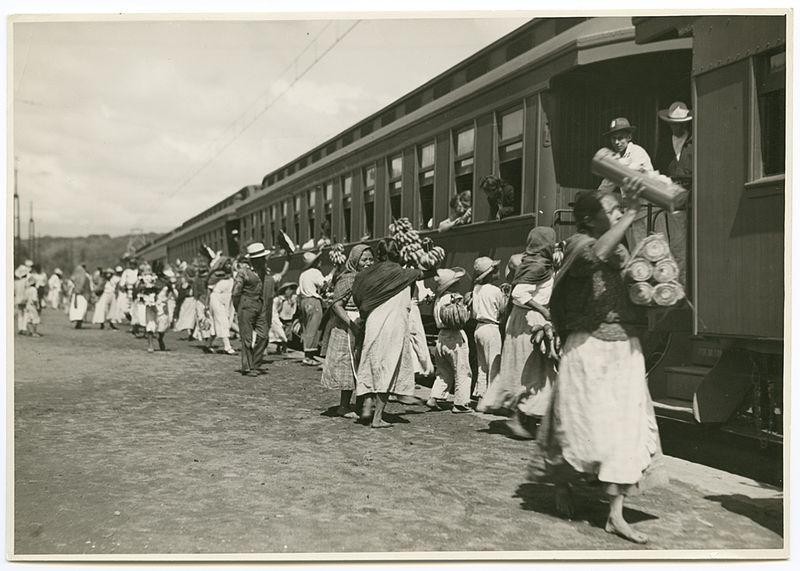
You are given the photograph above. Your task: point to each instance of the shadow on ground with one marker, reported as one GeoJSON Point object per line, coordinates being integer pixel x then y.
{"type": "Point", "coordinates": [766, 512]}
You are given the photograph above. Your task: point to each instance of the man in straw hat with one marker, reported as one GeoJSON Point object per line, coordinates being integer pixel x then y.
{"type": "Point", "coordinates": [309, 289]}
{"type": "Point", "coordinates": [252, 294]}
{"type": "Point", "coordinates": [677, 162]}
{"type": "Point", "coordinates": [620, 136]}
{"type": "Point", "coordinates": [453, 373]}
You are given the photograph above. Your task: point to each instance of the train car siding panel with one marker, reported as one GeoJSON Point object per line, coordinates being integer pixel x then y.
{"type": "Point", "coordinates": [739, 236]}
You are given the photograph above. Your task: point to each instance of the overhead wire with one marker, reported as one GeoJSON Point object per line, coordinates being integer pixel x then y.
{"type": "Point", "coordinates": [259, 114]}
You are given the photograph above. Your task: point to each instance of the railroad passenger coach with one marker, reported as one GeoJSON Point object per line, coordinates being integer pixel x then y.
{"type": "Point", "coordinates": [531, 109]}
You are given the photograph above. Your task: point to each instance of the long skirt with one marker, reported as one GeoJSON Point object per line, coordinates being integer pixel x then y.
{"type": "Point", "coordinates": [423, 364]}
{"type": "Point", "coordinates": [102, 309]}
{"type": "Point", "coordinates": [453, 374]}
{"type": "Point", "coordinates": [218, 305]}
{"type": "Point", "coordinates": [526, 376]}
{"type": "Point", "coordinates": [77, 307]}
{"type": "Point", "coordinates": [54, 297]}
{"type": "Point", "coordinates": [186, 315]}
{"type": "Point", "coordinates": [386, 364]}
{"type": "Point", "coordinates": [600, 420]}
{"type": "Point", "coordinates": [204, 325]}
{"type": "Point", "coordinates": [123, 306]}
{"type": "Point", "coordinates": [339, 372]}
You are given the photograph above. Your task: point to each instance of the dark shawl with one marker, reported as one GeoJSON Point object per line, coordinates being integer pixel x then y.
{"type": "Point", "coordinates": [344, 283]}
{"type": "Point", "coordinates": [82, 283]}
{"type": "Point", "coordinates": [537, 261]}
{"type": "Point", "coordinates": [381, 282]}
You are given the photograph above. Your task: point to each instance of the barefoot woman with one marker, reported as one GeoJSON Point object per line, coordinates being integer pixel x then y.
{"type": "Point", "coordinates": [601, 421]}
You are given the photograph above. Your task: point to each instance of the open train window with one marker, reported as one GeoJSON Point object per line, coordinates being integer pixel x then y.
{"type": "Point", "coordinates": [273, 221]}
{"type": "Point", "coordinates": [368, 181]}
{"type": "Point", "coordinates": [311, 202]}
{"type": "Point", "coordinates": [326, 226]}
{"type": "Point", "coordinates": [296, 219]}
{"type": "Point", "coordinates": [396, 185]}
{"type": "Point", "coordinates": [284, 214]}
{"type": "Point", "coordinates": [253, 227]}
{"type": "Point", "coordinates": [464, 160]}
{"type": "Point", "coordinates": [509, 150]}
{"type": "Point", "coordinates": [769, 136]}
{"type": "Point", "coordinates": [263, 216]}
{"type": "Point", "coordinates": [347, 206]}
{"type": "Point", "coordinates": [425, 168]}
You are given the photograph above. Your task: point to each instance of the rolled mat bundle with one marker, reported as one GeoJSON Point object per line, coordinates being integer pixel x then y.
{"type": "Point", "coordinates": [641, 293]}
{"type": "Point", "coordinates": [667, 294]}
{"type": "Point", "coordinates": [652, 274]}
{"type": "Point", "coordinates": [640, 270]}
{"type": "Point", "coordinates": [665, 271]}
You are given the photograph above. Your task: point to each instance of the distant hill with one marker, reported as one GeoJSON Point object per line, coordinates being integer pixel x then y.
{"type": "Point", "coordinates": [95, 250]}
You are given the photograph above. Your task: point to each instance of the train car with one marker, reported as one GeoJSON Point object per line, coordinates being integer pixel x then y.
{"type": "Point", "coordinates": [729, 368]}
{"type": "Point", "coordinates": [531, 108]}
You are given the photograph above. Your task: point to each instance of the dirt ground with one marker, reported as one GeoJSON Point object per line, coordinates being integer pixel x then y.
{"type": "Point", "coordinates": [117, 451]}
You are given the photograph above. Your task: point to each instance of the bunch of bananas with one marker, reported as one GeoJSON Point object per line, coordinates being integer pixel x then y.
{"type": "Point", "coordinates": [545, 339]}
{"type": "Point", "coordinates": [416, 251]}
{"type": "Point", "coordinates": [403, 232]}
{"type": "Point", "coordinates": [336, 254]}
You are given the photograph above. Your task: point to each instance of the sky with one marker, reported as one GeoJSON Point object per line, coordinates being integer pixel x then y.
{"type": "Point", "coordinates": [122, 125]}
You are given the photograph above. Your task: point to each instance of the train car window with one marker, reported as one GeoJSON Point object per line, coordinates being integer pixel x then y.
{"type": "Point", "coordinates": [425, 167]}
{"type": "Point", "coordinates": [368, 180]}
{"type": "Point", "coordinates": [253, 228]}
{"type": "Point", "coordinates": [311, 200]}
{"type": "Point", "coordinates": [326, 229]}
{"type": "Point", "coordinates": [273, 220]}
{"type": "Point", "coordinates": [296, 219]}
{"type": "Point", "coordinates": [347, 206]}
{"type": "Point", "coordinates": [508, 198]}
{"type": "Point", "coordinates": [465, 161]}
{"type": "Point", "coordinates": [263, 215]}
{"type": "Point", "coordinates": [396, 185]}
{"type": "Point", "coordinates": [770, 72]}
{"type": "Point", "coordinates": [284, 214]}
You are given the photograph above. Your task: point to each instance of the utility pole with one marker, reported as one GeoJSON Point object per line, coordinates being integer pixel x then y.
{"type": "Point", "coordinates": [31, 236]}
{"type": "Point", "coordinates": [17, 230]}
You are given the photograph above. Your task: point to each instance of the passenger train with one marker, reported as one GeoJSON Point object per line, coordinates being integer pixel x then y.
{"type": "Point", "coordinates": [531, 108]}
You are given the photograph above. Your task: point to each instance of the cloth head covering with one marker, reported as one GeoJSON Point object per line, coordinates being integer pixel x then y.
{"type": "Point", "coordinates": [344, 285]}
{"type": "Point", "coordinates": [381, 282]}
{"type": "Point", "coordinates": [536, 265]}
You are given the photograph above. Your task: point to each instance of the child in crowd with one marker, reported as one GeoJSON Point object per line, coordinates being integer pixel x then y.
{"type": "Point", "coordinates": [488, 309]}
{"type": "Point", "coordinates": [165, 304]}
{"type": "Point", "coordinates": [145, 295]}
{"type": "Point", "coordinates": [453, 373]}
{"type": "Point", "coordinates": [20, 298]}
{"type": "Point", "coordinates": [32, 305]}
{"type": "Point", "coordinates": [284, 307]}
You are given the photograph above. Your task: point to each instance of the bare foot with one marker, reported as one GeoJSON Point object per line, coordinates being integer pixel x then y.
{"type": "Point", "coordinates": [621, 527]}
{"type": "Point", "coordinates": [380, 424]}
{"type": "Point", "coordinates": [564, 504]}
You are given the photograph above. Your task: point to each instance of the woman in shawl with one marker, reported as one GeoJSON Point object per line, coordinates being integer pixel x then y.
{"type": "Point", "coordinates": [600, 421]}
{"type": "Point", "coordinates": [81, 292]}
{"type": "Point", "coordinates": [186, 303]}
{"type": "Point", "coordinates": [526, 376]}
{"type": "Point", "coordinates": [339, 370]}
{"type": "Point", "coordinates": [382, 294]}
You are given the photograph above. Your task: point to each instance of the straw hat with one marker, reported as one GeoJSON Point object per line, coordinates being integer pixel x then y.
{"type": "Point", "coordinates": [29, 263]}
{"type": "Point", "coordinates": [118, 270]}
{"type": "Point", "coordinates": [309, 258]}
{"type": "Point", "coordinates": [287, 285]}
{"type": "Point", "coordinates": [256, 250]}
{"type": "Point", "coordinates": [22, 271]}
{"type": "Point", "coordinates": [483, 266]}
{"type": "Point", "coordinates": [620, 124]}
{"type": "Point", "coordinates": [678, 112]}
{"type": "Point", "coordinates": [58, 272]}
{"type": "Point", "coordinates": [445, 277]}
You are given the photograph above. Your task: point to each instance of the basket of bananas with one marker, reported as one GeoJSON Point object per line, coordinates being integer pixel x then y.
{"type": "Point", "coordinates": [545, 340]}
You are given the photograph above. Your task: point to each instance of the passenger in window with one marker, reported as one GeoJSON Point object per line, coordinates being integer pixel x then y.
{"type": "Point", "coordinates": [677, 162]}
{"type": "Point", "coordinates": [460, 211]}
{"type": "Point", "coordinates": [500, 195]}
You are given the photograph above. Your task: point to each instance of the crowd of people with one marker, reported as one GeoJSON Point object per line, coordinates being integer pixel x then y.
{"type": "Point", "coordinates": [580, 392]}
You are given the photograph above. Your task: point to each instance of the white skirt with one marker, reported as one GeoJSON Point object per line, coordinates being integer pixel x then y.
{"type": "Point", "coordinates": [77, 307]}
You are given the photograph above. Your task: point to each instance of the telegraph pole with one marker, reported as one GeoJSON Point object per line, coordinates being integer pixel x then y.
{"type": "Point", "coordinates": [17, 230]}
{"type": "Point", "coordinates": [31, 236]}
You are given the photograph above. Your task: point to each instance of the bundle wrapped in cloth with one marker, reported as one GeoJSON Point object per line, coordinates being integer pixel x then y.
{"type": "Point", "coordinates": [415, 251]}
{"type": "Point", "coordinates": [653, 274]}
